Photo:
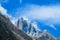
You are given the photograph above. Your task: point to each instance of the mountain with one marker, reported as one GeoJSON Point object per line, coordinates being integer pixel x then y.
{"type": "Point", "coordinates": [58, 39]}
{"type": "Point", "coordinates": [9, 32]}
{"type": "Point", "coordinates": [27, 27]}
{"type": "Point", "coordinates": [23, 29]}
{"type": "Point", "coordinates": [32, 30]}
{"type": "Point", "coordinates": [46, 36]}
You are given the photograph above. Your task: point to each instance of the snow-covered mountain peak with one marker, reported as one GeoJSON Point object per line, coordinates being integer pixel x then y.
{"type": "Point", "coordinates": [32, 29]}
{"type": "Point", "coordinates": [25, 25]}
{"type": "Point", "coordinates": [23, 18]}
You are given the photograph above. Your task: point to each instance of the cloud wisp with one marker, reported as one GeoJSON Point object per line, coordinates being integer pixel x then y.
{"type": "Point", "coordinates": [4, 12]}
{"type": "Point", "coordinates": [49, 14]}
{"type": "Point", "coordinates": [41, 12]}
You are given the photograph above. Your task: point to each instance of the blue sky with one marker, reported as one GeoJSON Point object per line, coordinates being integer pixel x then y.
{"type": "Point", "coordinates": [47, 12]}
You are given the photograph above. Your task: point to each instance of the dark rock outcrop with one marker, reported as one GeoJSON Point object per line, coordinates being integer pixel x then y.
{"type": "Point", "coordinates": [9, 32]}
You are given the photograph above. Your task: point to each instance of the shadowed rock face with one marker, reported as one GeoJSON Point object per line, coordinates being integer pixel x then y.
{"type": "Point", "coordinates": [5, 33]}
{"type": "Point", "coordinates": [9, 32]}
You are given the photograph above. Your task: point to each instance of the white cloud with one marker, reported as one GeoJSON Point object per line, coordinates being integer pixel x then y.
{"type": "Point", "coordinates": [52, 26]}
{"type": "Point", "coordinates": [41, 12]}
{"type": "Point", "coordinates": [3, 10]}
{"type": "Point", "coordinates": [48, 14]}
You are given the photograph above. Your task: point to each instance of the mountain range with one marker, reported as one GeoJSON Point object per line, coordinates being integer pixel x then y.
{"type": "Point", "coordinates": [23, 29]}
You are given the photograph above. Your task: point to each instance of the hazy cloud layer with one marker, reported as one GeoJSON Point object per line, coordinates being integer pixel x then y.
{"type": "Point", "coordinates": [51, 13]}
{"type": "Point", "coordinates": [48, 14]}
